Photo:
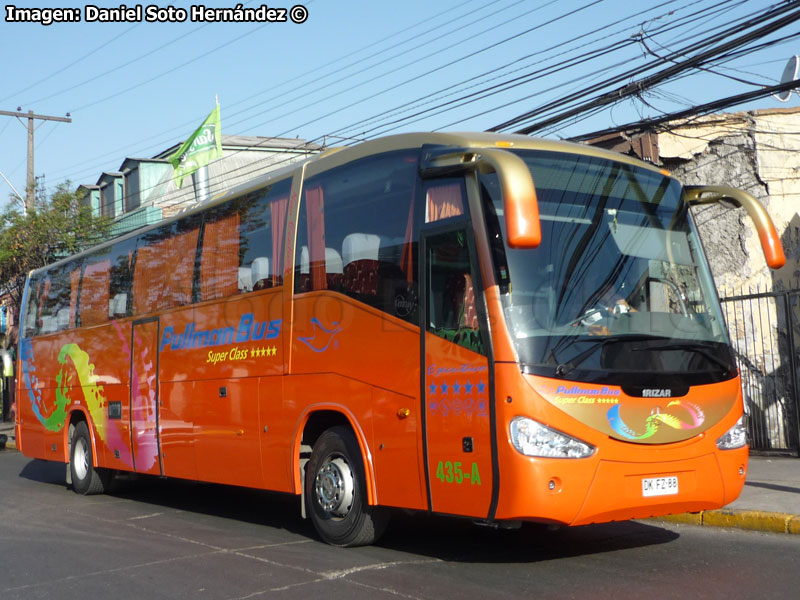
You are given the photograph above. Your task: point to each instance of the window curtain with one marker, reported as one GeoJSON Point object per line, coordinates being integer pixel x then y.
{"type": "Point", "coordinates": [444, 201]}
{"type": "Point", "coordinates": [94, 293]}
{"type": "Point", "coordinates": [220, 258]}
{"type": "Point", "coordinates": [315, 206]}
{"type": "Point", "coordinates": [178, 284]}
{"type": "Point", "coordinates": [277, 209]}
{"type": "Point", "coordinates": [74, 286]}
{"type": "Point", "coordinates": [164, 272]}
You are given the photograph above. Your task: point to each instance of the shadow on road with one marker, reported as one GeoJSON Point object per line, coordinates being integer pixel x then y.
{"type": "Point", "coordinates": [445, 538]}
{"type": "Point", "coordinates": [45, 471]}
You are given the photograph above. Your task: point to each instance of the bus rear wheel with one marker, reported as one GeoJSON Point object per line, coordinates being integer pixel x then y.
{"type": "Point", "coordinates": [86, 479]}
{"type": "Point", "coordinates": [335, 486]}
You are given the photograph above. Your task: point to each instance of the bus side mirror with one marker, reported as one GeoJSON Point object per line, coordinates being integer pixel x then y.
{"type": "Point", "coordinates": [520, 207]}
{"type": "Point", "coordinates": [767, 234]}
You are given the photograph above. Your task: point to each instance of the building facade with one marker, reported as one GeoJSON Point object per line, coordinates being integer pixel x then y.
{"type": "Point", "coordinates": [143, 191]}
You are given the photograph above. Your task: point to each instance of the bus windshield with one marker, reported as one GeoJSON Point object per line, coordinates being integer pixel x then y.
{"type": "Point", "coordinates": [618, 290]}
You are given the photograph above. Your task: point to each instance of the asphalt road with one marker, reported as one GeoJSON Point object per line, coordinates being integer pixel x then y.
{"type": "Point", "coordinates": [169, 539]}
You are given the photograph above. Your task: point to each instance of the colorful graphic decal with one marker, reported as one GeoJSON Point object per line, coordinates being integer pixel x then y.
{"type": "Point", "coordinates": [31, 383]}
{"type": "Point", "coordinates": [654, 415]}
{"type": "Point", "coordinates": [65, 385]}
{"type": "Point", "coordinates": [457, 390]}
{"type": "Point", "coordinates": [77, 371]}
{"type": "Point", "coordinates": [322, 337]}
{"type": "Point", "coordinates": [656, 419]}
{"type": "Point", "coordinates": [76, 384]}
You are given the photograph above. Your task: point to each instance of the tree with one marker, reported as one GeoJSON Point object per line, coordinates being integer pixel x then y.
{"type": "Point", "coordinates": [53, 229]}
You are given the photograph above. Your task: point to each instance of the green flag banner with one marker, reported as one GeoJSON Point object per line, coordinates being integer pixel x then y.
{"type": "Point", "coordinates": [203, 146]}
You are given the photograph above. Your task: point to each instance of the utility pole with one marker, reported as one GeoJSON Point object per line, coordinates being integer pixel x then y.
{"type": "Point", "coordinates": [31, 117]}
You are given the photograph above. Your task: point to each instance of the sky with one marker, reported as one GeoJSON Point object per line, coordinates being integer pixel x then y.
{"type": "Point", "coordinates": [351, 70]}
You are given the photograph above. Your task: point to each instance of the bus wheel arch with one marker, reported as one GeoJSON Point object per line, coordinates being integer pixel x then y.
{"type": "Point", "coordinates": [73, 418]}
{"type": "Point", "coordinates": [86, 479]}
{"type": "Point", "coordinates": [318, 419]}
{"type": "Point", "coordinates": [335, 494]}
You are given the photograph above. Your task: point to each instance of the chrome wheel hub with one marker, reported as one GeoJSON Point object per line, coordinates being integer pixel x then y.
{"type": "Point", "coordinates": [335, 487]}
{"type": "Point", "coordinates": [81, 458]}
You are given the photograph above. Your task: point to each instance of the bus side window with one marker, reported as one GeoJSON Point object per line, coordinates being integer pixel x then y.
{"type": "Point", "coordinates": [356, 233]}
{"type": "Point", "coordinates": [58, 298]}
{"type": "Point", "coordinates": [95, 291]}
{"type": "Point", "coordinates": [105, 287]}
{"type": "Point", "coordinates": [219, 256]}
{"type": "Point", "coordinates": [122, 257]}
{"type": "Point", "coordinates": [45, 320]}
{"type": "Point", "coordinates": [452, 313]}
{"type": "Point", "coordinates": [163, 273]}
{"type": "Point", "coordinates": [30, 320]}
{"type": "Point", "coordinates": [243, 243]}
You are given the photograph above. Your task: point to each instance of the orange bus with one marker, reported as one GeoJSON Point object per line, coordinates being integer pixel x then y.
{"type": "Point", "coordinates": [496, 327]}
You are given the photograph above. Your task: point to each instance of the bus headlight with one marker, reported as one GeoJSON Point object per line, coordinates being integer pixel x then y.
{"type": "Point", "coordinates": [735, 437]}
{"type": "Point", "coordinates": [534, 439]}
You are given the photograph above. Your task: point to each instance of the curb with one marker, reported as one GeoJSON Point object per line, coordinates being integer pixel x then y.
{"type": "Point", "coordinates": [753, 520]}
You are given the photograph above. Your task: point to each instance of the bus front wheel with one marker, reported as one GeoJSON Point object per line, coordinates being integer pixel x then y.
{"type": "Point", "coordinates": [86, 479]}
{"type": "Point", "coordinates": [336, 492]}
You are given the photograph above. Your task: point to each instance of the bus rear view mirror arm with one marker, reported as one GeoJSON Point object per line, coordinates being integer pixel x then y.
{"type": "Point", "coordinates": [520, 206]}
{"type": "Point", "coordinates": [767, 234]}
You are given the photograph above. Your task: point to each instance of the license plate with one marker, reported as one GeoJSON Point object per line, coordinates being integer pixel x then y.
{"type": "Point", "coordinates": [659, 486]}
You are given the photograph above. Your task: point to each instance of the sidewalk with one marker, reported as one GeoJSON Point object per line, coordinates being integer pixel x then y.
{"type": "Point", "coordinates": [770, 500]}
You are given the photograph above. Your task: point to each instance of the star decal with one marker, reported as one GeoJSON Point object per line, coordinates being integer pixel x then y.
{"type": "Point", "coordinates": [262, 352]}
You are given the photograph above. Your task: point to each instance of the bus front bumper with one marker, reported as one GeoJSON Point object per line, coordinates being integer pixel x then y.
{"type": "Point", "coordinates": [620, 490]}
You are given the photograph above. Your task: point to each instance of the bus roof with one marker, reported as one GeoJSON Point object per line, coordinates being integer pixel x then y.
{"type": "Point", "coordinates": [337, 156]}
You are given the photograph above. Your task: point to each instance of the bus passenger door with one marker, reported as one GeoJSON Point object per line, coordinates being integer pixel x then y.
{"type": "Point", "coordinates": [145, 442]}
{"type": "Point", "coordinates": [457, 390]}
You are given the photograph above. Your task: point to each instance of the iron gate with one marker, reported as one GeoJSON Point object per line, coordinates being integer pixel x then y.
{"type": "Point", "coordinates": [763, 327]}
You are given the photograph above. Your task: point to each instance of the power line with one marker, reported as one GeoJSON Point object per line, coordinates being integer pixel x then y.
{"type": "Point", "coordinates": [492, 74]}
{"type": "Point", "coordinates": [635, 87]}
{"type": "Point", "coordinates": [470, 98]}
{"type": "Point", "coordinates": [249, 167]}
{"type": "Point", "coordinates": [187, 124]}
{"type": "Point", "coordinates": [426, 73]}
{"type": "Point", "coordinates": [480, 95]}
{"type": "Point", "coordinates": [72, 63]}
{"type": "Point", "coordinates": [698, 110]}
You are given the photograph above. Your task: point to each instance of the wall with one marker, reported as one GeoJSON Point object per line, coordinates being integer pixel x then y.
{"type": "Point", "coordinates": [758, 152]}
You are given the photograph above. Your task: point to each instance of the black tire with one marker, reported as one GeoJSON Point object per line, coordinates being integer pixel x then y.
{"type": "Point", "coordinates": [86, 479]}
{"type": "Point", "coordinates": [335, 492]}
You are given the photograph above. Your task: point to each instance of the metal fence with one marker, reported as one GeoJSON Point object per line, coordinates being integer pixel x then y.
{"type": "Point", "coordinates": [764, 329]}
